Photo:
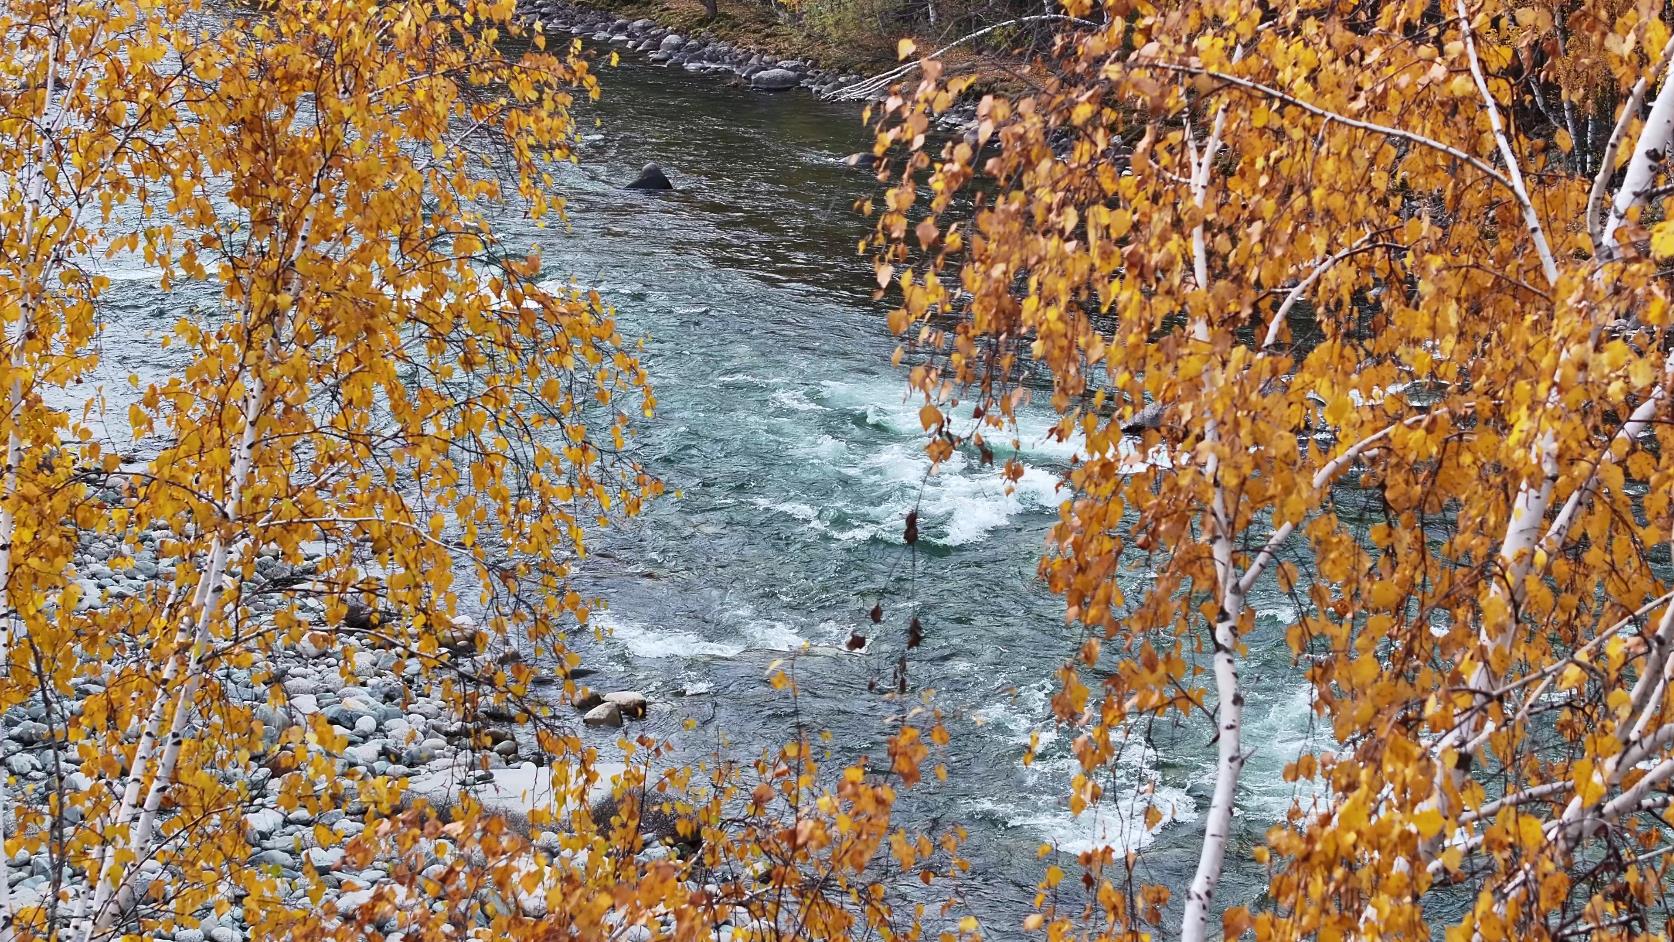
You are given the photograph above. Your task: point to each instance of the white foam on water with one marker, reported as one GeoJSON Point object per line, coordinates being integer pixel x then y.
{"type": "Point", "coordinates": [960, 502]}
{"type": "Point", "coordinates": [649, 644]}
{"type": "Point", "coordinates": [790, 508]}
{"type": "Point", "coordinates": [1279, 736]}
{"type": "Point", "coordinates": [822, 446]}
{"type": "Point", "coordinates": [745, 379]}
{"type": "Point", "coordinates": [1117, 821]}
{"type": "Point", "coordinates": [797, 401]}
{"type": "Point", "coordinates": [773, 635]}
{"type": "Point", "coordinates": [1131, 785]}
{"type": "Point", "coordinates": [140, 272]}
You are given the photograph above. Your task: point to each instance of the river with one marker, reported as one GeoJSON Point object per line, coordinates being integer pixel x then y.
{"type": "Point", "coordinates": [796, 455]}
{"type": "Point", "coordinates": [792, 456]}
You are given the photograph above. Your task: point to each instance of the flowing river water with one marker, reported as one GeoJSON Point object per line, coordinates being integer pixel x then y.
{"type": "Point", "coordinates": [792, 456]}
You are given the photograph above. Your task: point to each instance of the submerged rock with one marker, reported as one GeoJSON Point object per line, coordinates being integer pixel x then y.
{"type": "Point", "coordinates": [651, 178]}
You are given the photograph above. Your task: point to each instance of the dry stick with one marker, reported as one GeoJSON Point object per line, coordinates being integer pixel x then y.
{"type": "Point", "coordinates": [867, 87]}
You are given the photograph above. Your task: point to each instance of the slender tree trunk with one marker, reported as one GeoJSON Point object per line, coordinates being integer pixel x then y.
{"type": "Point", "coordinates": [1229, 766]}
{"type": "Point", "coordinates": [34, 183]}
{"type": "Point", "coordinates": [1652, 147]}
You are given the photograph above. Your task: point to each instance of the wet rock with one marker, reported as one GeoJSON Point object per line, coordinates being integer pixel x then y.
{"type": "Point", "coordinates": [671, 43]}
{"type": "Point", "coordinates": [651, 178]}
{"type": "Point", "coordinates": [587, 698]}
{"type": "Point", "coordinates": [605, 714]}
{"type": "Point", "coordinates": [459, 635]}
{"type": "Point", "coordinates": [774, 80]}
{"type": "Point", "coordinates": [362, 617]}
{"type": "Point", "coordinates": [632, 702]}
{"type": "Point", "coordinates": [1150, 417]}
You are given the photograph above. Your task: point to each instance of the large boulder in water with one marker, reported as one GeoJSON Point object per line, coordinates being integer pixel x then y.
{"type": "Point", "coordinates": [651, 178]}
{"type": "Point", "coordinates": [774, 80]}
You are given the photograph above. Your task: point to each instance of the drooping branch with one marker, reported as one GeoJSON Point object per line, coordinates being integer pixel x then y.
{"type": "Point", "coordinates": [1531, 218]}
{"type": "Point", "coordinates": [1300, 289]}
{"type": "Point", "coordinates": [867, 87]}
{"type": "Point", "coordinates": [1268, 91]}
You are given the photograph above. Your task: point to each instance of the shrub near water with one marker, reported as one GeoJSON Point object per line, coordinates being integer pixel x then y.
{"type": "Point", "coordinates": [382, 408]}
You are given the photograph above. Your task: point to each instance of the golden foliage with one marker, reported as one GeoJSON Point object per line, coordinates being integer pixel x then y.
{"type": "Point", "coordinates": [1393, 282]}
{"type": "Point", "coordinates": [395, 410]}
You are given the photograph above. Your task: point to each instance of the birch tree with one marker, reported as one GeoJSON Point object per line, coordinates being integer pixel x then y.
{"type": "Point", "coordinates": [1404, 317]}
{"type": "Point", "coordinates": [390, 436]}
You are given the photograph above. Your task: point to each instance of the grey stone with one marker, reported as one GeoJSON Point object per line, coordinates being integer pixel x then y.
{"type": "Point", "coordinates": [263, 822]}
{"type": "Point", "coordinates": [774, 79]}
{"type": "Point", "coordinates": [30, 731]}
{"type": "Point", "coordinates": [650, 178]}
{"type": "Point", "coordinates": [324, 858]}
{"type": "Point", "coordinates": [632, 702]}
{"type": "Point", "coordinates": [605, 714]}
{"type": "Point", "coordinates": [274, 858]}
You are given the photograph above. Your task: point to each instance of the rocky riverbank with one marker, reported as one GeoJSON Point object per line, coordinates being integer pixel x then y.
{"type": "Point", "coordinates": [367, 711]}
{"type": "Point", "coordinates": [698, 52]}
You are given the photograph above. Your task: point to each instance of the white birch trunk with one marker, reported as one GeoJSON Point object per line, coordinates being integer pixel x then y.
{"type": "Point", "coordinates": [1651, 147]}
